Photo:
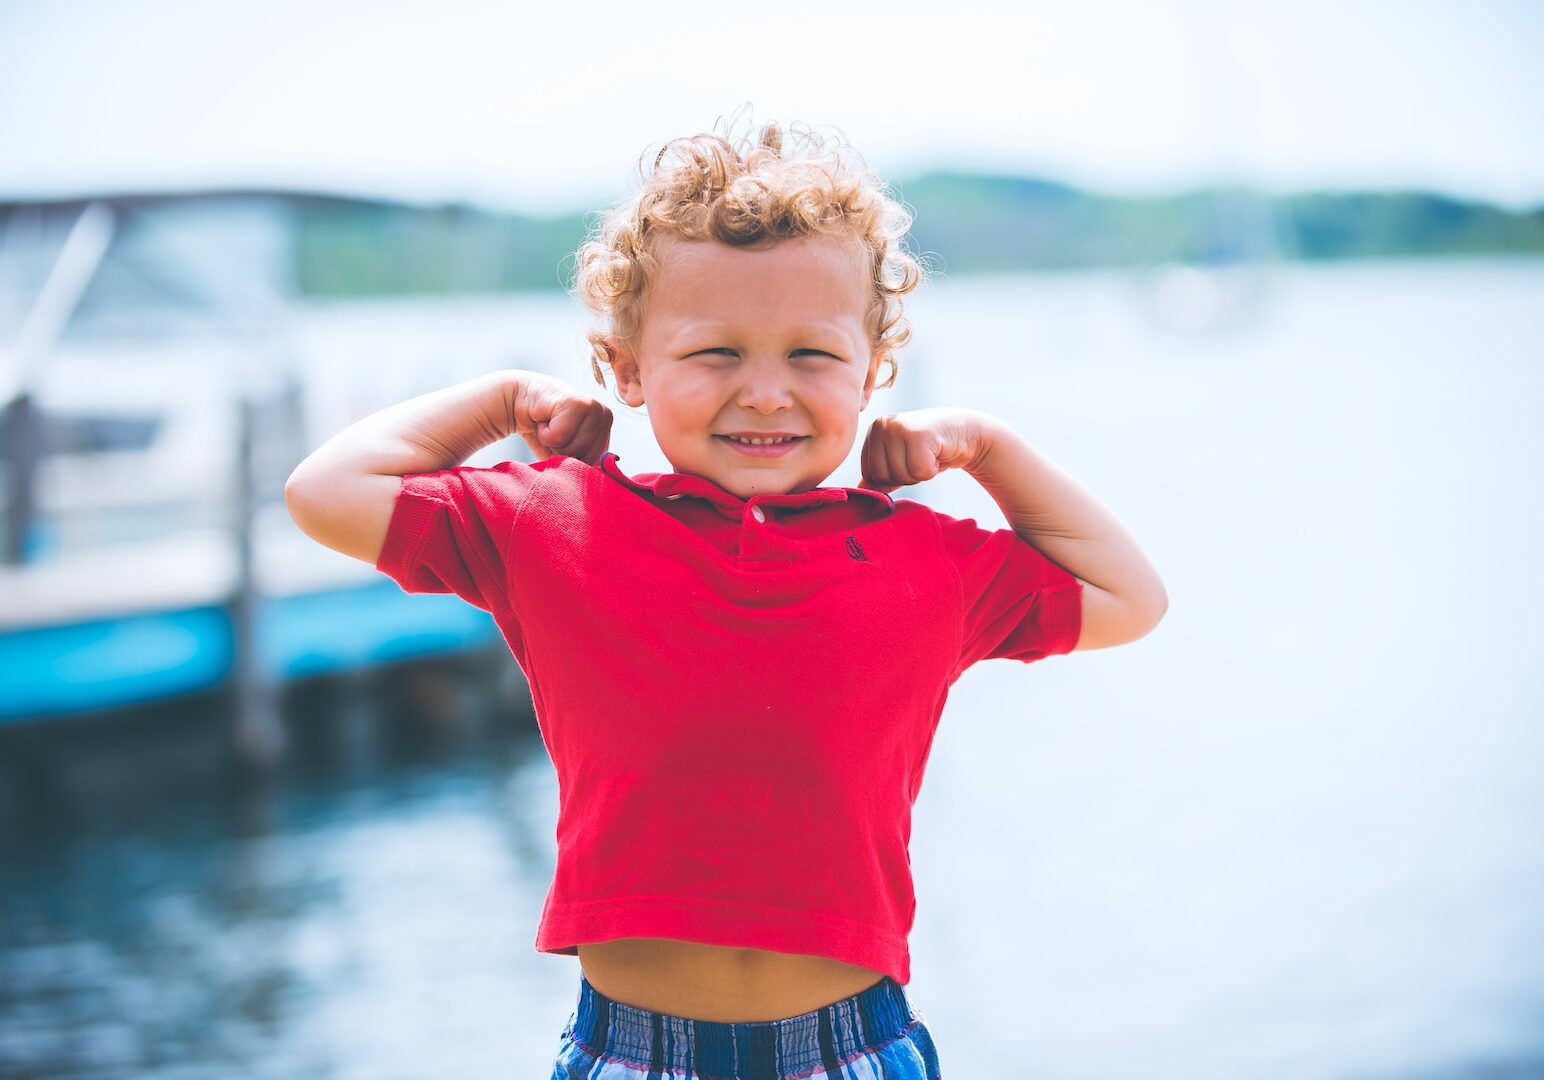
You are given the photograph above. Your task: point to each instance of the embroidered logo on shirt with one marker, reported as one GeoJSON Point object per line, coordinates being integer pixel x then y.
{"type": "Point", "coordinates": [855, 549]}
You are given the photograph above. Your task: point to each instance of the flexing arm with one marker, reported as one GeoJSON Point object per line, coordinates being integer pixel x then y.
{"type": "Point", "coordinates": [342, 495]}
{"type": "Point", "coordinates": [1123, 597]}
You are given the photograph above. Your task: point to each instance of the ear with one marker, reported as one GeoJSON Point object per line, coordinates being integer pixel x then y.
{"type": "Point", "coordinates": [624, 369]}
{"type": "Point", "coordinates": [873, 374]}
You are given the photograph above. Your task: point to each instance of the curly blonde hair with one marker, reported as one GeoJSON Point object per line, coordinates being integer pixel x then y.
{"type": "Point", "coordinates": [710, 187]}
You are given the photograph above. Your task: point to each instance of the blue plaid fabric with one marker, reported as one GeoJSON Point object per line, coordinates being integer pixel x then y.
{"type": "Point", "coordinates": [874, 1035]}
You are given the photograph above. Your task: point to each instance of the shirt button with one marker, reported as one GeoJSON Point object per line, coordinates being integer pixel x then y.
{"type": "Point", "coordinates": [758, 514]}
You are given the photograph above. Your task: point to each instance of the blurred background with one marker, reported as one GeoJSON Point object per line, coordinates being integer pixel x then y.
{"type": "Point", "coordinates": [1265, 278]}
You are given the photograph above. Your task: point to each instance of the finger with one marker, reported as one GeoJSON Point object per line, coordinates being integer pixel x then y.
{"type": "Point", "coordinates": [876, 476]}
{"type": "Point", "coordinates": [921, 457]}
{"type": "Point", "coordinates": [596, 438]}
{"type": "Point", "coordinates": [574, 427]}
{"type": "Point", "coordinates": [537, 447]}
{"type": "Point", "coordinates": [866, 458]}
{"type": "Point", "coordinates": [895, 461]}
{"type": "Point", "coordinates": [866, 455]}
{"type": "Point", "coordinates": [546, 442]}
{"type": "Point", "coordinates": [559, 429]}
{"type": "Point", "coordinates": [904, 453]}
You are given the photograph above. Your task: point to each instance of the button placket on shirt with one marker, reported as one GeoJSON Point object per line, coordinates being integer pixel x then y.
{"type": "Point", "coordinates": [756, 543]}
{"type": "Point", "coordinates": [770, 544]}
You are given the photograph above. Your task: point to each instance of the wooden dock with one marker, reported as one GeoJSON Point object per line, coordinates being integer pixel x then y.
{"type": "Point", "coordinates": [131, 623]}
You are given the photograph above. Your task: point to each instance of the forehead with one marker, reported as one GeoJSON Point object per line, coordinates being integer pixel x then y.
{"type": "Point", "coordinates": [817, 278]}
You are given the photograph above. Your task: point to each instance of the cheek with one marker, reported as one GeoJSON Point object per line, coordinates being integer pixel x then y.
{"type": "Point", "coordinates": [845, 401]}
{"type": "Point", "coordinates": [682, 403]}
{"type": "Point", "coordinates": [684, 388]}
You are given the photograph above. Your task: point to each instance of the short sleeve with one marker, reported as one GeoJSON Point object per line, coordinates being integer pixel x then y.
{"type": "Point", "coordinates": [1018, 604]}
{"type": "Point", "coordinates": [450, 531]}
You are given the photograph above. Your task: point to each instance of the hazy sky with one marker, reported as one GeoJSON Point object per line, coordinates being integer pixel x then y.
{"type": "Point", "coordinates": [549, 106]}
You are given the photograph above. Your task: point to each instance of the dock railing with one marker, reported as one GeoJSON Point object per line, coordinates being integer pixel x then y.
{"type": "Point", "coordinates": [45, 323]}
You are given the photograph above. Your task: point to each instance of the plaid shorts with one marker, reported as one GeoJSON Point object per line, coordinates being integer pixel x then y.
{"type": "Point", "coordinates": [874, 1035]}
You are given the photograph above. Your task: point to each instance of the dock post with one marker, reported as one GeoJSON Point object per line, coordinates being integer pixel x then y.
{"type": "Point", "coordinates": [258, 724]}
{"type": "Point", "coordinates": [21, 450]}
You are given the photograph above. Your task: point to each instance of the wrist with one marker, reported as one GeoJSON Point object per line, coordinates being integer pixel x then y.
{"type": "Point", "coordinates": [983, 434]}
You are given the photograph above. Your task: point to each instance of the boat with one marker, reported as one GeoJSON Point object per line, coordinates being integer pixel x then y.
{"type": "Point", "coordinates": [153, 398]}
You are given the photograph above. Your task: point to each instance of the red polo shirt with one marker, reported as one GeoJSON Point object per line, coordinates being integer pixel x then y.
{"type": "Point", "coordinates": [739, 695]}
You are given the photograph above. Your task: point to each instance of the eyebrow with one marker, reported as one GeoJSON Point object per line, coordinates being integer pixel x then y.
{"type": "Point", "coordinates": [679, 336]}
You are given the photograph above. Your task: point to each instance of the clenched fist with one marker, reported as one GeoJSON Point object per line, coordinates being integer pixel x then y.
{"type": "Point", "coordinates": [914, 446]}
{"type": "Point", "coordinates": [554, 418]}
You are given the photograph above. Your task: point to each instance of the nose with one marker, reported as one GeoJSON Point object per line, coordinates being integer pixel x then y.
{"type": "Point", "coordinates": [764, 386]}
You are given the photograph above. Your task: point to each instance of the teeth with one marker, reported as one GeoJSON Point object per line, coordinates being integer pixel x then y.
{"type": "Point", "coordinates": [762, 442]}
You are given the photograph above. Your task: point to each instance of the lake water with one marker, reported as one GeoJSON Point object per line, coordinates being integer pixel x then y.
{"type": "Point", "coordinates": [1296, 832]}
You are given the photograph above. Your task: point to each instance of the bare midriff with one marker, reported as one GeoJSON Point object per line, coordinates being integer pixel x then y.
{"type": "Point", "coordinates": [717, 982]}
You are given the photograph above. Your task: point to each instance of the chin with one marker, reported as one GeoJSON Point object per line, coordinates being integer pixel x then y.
{"type": "Point", "coordinates": [762, 487]}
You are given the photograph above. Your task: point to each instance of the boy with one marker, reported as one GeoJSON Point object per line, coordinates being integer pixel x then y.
{"type": "Point", "coordinates": [737, 672]}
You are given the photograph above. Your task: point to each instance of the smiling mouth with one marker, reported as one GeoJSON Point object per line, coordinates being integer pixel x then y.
{"type": "Point", "coordinates": [762, 442]}
{"type": "Point", "coordinates": [773, 448]}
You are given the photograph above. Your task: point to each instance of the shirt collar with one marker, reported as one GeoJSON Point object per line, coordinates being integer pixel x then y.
{"type": "Point", "coordinates": [679, 485]}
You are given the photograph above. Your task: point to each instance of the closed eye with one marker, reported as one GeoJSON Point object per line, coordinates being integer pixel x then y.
{"type": "Point", "coordinates": [796, 352]}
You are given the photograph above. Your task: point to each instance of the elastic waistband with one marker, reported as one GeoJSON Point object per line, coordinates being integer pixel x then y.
{"type": "Point", "coordinates": [829, 1036]}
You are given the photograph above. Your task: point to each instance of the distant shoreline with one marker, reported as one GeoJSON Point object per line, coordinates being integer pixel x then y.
{"type": "Point", "coordinates": [965, 225]}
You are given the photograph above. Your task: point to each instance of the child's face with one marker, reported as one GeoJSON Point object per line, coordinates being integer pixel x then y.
{"type": "Point", "coordinates": [748, 343]}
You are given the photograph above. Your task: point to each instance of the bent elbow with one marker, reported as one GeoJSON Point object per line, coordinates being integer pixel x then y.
{"type": "Point", "coordinates": [301, 499]}
{"type": "Point", "coordinates": [1142, 615]}
{"type": "Point", "coordinates": [1152, 612]}
{"type": "Point", "coordinates": [1110, 619]}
